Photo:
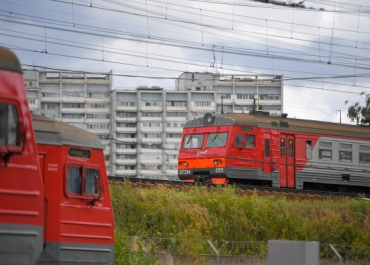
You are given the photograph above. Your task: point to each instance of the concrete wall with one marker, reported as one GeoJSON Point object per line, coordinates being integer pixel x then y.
{"type": "Point", "coordinates": [176, 259]}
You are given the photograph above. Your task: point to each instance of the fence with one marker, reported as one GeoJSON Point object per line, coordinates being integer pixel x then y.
{"type": "Point", "coordinates": [200, 247]}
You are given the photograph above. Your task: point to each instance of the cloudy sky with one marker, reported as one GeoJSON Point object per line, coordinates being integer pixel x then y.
{"type": "Point", "coordinates": [322, 50]}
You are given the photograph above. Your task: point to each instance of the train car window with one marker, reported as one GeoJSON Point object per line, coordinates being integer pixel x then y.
{"type": "Point", "coordinates": [290, 148]}
{"type": "Point", "coordinates": [364, 154]}
{"type": "Point", "coordinates": [250, 140]}
{"type": "Point", "coordinates": [92, 181]}
{"type": "Point", "coordinates": [238, 140]}
{"type": "Point", "coordinates": [267, 147]}
{"type": "Point", "coordinates": [309, 149]}
{"type": "Point", "coordinates": [193, 141]}
{"type": "Point", "coordinates": [325, 151]}
{"type": "Point", "coordinates": [345, 152]}
{"type": "Point", "coordinates": [282, 147]}
{"type": "Point", "coordinates": [9, 123]}
{"type": "Point", "coordinates": [216, 139]}
{"type": "Point", "coordinates": [74, 180]}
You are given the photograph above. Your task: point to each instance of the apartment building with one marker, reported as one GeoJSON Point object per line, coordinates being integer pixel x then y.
{"type": "Point", "coordinates": [80, 99]}
{"type": "Point", "coordinates": [142, 128]}
{"type": "Point", "coordinates": [147, 127]}
{"type": "Point", "coordinates": [238, 93]}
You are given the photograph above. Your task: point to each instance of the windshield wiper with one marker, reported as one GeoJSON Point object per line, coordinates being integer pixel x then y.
{"type": "Point", "coordinates": [214, 138]}
{"type": "Point", "coordinates": [191, 136]}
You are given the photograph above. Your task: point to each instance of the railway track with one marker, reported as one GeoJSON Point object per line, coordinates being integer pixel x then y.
{"type": "Point", "coordinates": [260, 189]}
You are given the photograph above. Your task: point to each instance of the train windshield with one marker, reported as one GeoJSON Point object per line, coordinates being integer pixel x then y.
{"type": "Point", "coordinates": [216, 139]}
{"type": "Point", "coordinates": [8, 124]}
{"type": "Point", "coordinates": [193, 141]}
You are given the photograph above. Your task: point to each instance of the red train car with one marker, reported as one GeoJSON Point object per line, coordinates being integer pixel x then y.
{"type": "Point", "coordinates": [275, 151]}
{"type": "Point", "coordinates": [79, 224]}
{"type": "Point", "coordinates": [21, 191]}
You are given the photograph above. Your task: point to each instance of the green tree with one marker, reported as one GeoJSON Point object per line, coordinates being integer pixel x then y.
{"type": "Point", "coordinates": [358, 113]}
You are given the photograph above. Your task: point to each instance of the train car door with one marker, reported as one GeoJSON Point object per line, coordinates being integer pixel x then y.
{"type": "Point", "coordinates": [267, 154]}
{"type": "Point", "coordinates": [42, 167]}
{"type": "Point", "coordinates": [287, 155]}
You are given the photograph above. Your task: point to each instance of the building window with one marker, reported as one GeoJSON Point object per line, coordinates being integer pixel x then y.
{"type": "Point", "coordinates": [152, 135]}
{"type": "Point", "coordinates": [176, 114]}
{"type": "Point", "coordinates": [269, 96]}
{"type": "Point", "coordinates": [49, 95]}
{"type": "Point", "coordinates": [32, 101]}
{"type": "Point", "coordinates": [129, 156]}
{"type": "Point", "coordinates": [74, 94]}
{"type": "Point", "coordinates": [245, 96]}
{"type": "Point", "coordinates": [151, 114]}
{"type": "Point", "coordinates": [243, 107]}
{"type": "Point", "coordinates": [129, 167]}
{"type": "Point", "coordinates": [174, 135]}
{"type": "Point", "coordinates": [198, 114]}
{"type": "Point", "coordinates": [126, 104]}
{"type": "Point", "coordinates": [202, 103]}
{"type": "Point", "coordinates": [97, 106]}
{"type": "Point", "coordinates": [152, 103]}
{"type": "Point", "coordinates": [269, 107]}
{"type": "Point", "coordinates": [225, 96]}
{"type": "Point", "coordinates": [171, 167]}
{"type": "Point", "coordinates": [98, 126]}
{"type": "Point", "coordinates": [172, 156]}
{"type": "Point", "coordinates": [98, 95]}
{"type": "Point", "coordinates": [325, 151]}
{"type": "Point", "coordinates": [126, 146]}
{"type": "Point", "coordinates": [126, 125]}
{"type": "Point", "coordinates": [151, 167]}
{"type": "Point", "coordinates": [48, 106]}
{"type": "Point", "coordinates": [176, 103]}
{"type": "Point", "coordinates": [72, 116]}
{"type": "Point", "coordinates": [73, 105]}
{"type": "Point", "coordinates": [126, 135]}
{"type": "Point", "coordinates": [126, 114]}
{"type": "Point", "coordinates": [152, 124]}
{"type": "Point", "coordinates": [97, 116]}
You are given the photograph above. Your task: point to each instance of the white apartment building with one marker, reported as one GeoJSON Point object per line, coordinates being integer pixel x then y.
{"type": "Point", "coordinates": [142, 128]}
{"type": "Point", "coordinates": [238, 91]}
{"type": "Point", "coordinates": [80, 99]}
{"type": "Point", "coordinates": [147, 127]}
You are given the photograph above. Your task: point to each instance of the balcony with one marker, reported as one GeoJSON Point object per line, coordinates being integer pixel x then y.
{"type": "Point", "coordinates": [172, 173]}
{"type": "Point", "coordinates": [97, 110]}
{"type": "Point", "coordinates": [151, 108]}
{"type": "Point", "coordinates": [97, 120]}
{"type": "Point", "coordinates": [126, 129]}
{"type": "Point", "coordinates": [127, 140]}
{"type": "Point", "coordinates": [169, 108]}
{"type": "Point", "coordinates": [73, 110]}
{"type": "Point", "coordinates": [151, 129]}
{"type": "Point", "coordinates": [173, 140]}
{"type": "Point", "coordinates": [174, 129]}
{"type": "Point", "coordinates": [149, 150]}
{"type": "Point", "coordinates": [73, 120]}
{"type": "Point", "coordinates": [124, 173]}
{"type": "Point", "coordinates": [159, 119]}
{"type": "Point", "coordinates": [128, 119]}
{"type": "Point", "coordinates": [51, 99]}
{"type": "Point", "coordinates": [99, 131]}
{"type": "Point", "coordinates": [126, 161]}
{"type": "Point", "coordinates": [127, 108]}
{"type": "Point", "coordinates": [33, 106]}
{"type": "Point", "coordinates": [152, 140]}
{"type": "Point", "coordinates": [177, 119]}
{"type": "Point", "coordinates": [126, 151]}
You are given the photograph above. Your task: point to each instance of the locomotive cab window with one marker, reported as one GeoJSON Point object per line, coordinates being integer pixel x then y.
{"type": "Point", "coordinates": [216, 140]}
{"type": "Point", "coordinates": [239, 139]}
{"type": "Point", "coordinates": [83, 181]}
{"type": "Point", "coordinates": [325, 150]}
{"type": "Point", "coordinates": [193, 141]}
{"type": "Point", "coordinates": [9, 124]}
{"type": "Point", "coordinates": [250, 141]}
{"type": "Point", "coordinates": [345, 152]}
{"type": "Point", "coordinates": [364, 154]}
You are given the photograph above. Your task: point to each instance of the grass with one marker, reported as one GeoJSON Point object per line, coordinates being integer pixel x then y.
{"type": "Point", "coordinates": [226, 214]}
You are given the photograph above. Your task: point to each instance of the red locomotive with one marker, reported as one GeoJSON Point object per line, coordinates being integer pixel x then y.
{"type": "Point", "coordinates": [79, 223]}
{"type": "Point", "coordinates": [55, 205]}
{"type": "Point", "coordinates": [275, 151]}
{"type": "Point", "coordinates": [21, 190]}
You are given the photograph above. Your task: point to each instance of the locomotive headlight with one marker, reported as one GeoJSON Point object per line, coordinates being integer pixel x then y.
{"type": "Point", "coordinates": [209, 118]}
{"type": "Point", "coordinates": [185, 164]}
{"type": "Point", "coordinates": [215, 161]}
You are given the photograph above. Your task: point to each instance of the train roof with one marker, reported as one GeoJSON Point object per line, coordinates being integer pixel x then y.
{"type": "Point", "coordinates": [52, 132]}
{"type": "Point", "coordinates": [275, 122]}
{"type": "Point", "coordinates": [9, 61]}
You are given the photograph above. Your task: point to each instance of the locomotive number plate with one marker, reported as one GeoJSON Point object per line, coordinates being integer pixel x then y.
{"type": "Point", "coordinates": [219, 170]}
{"type": "Point", "coordinates": [184, 172]}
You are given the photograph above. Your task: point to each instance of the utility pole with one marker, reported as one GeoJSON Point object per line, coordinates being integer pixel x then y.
{"type": "Point", "coordinates": [340, 116]}
{"type": "Point", "coordinates": [222, 104]}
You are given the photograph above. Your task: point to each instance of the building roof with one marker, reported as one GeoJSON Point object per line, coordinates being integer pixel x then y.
{"type": "Point", "coordinates": [9, 61]}
{"type": "Point", "coordinates": [52, 132]}
{"type": "Point", "coordinates": [288, 124]}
